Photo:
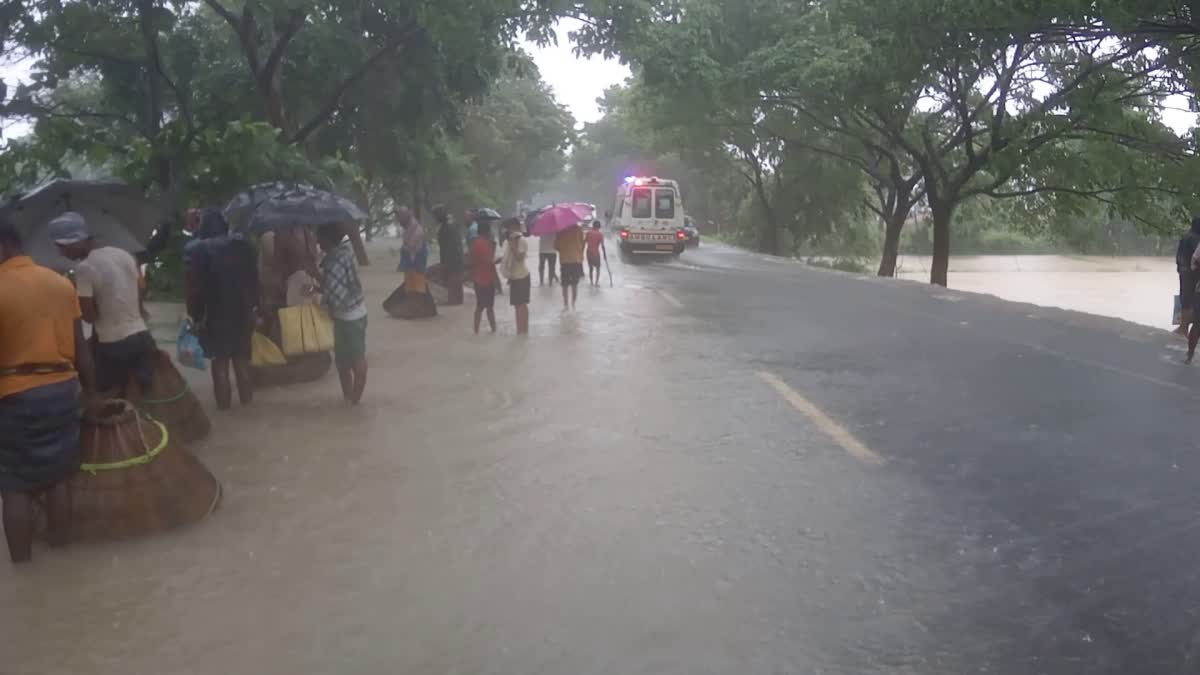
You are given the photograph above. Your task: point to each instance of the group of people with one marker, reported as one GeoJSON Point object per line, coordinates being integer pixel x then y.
{"type": "Point", "coordinates": [573, 245]}
{"type": "Point", "coordinates": [482, 258]}
{"type": "Point", "coordinates": [49, 371]}
{"type": "Point", "coordinates": [234, 291]}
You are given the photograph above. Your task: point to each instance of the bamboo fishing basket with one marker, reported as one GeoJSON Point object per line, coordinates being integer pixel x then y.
{"type": "Point", "coordinates": [171, 401]}
{"type": "Point", "coordinates": [299, 369]}
{"type": "Point", "coordinates": [404, 305]}
{"type": "Point", "coordinates": [135, 479]}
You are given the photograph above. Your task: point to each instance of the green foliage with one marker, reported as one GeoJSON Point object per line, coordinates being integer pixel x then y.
{"type": "Point", "coordinates": [925, 101]}
{"type": "Point", "coordinates": [386, 101]}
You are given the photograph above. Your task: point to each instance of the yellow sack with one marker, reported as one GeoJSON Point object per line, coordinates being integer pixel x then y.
{"type": "Point", "coordinates": [307, 329]}
{"type": "Point", "coordinates": [264, 352]}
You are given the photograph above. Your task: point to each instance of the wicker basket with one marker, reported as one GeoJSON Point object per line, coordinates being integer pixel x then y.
{"type": "Point", "coordinates": [135, 479]}
{"type": "Point", "coordinates": [172, 402]}
{"type": "Point", "coordinates": [299, 369]}
{"type": "Point", "coordinates": [401, 305]}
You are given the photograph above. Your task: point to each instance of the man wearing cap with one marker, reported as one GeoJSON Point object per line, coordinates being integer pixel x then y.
{"type": "Point", "coordinates": [107, 280]}
{"type": "Point", "coordinates": [44, 361]}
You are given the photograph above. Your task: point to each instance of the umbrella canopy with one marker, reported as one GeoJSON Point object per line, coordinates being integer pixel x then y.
{"type": "Point", "coordinates": [559, 217]}
{"type": "Point", "coordinates": [271, 206]}
{"type": "Point", "coordinates": [117, 214]}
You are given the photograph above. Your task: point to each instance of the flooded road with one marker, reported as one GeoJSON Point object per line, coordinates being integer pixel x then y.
{"type": "Point", "coordinates": [672, 480]}
{"type": "Point", "coordinates": [1135, 289]}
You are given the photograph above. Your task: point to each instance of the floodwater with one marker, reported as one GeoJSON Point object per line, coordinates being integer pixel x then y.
{"type": "Point", "coordinates": [1137, 289]}
{"type": "Point", "coordinates": [616, 493]}
{"type": "Point", "coordinates": [456, 522]}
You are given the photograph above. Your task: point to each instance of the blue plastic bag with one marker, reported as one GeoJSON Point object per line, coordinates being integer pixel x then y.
{"type": "Point", "coordinates": [187, 347]}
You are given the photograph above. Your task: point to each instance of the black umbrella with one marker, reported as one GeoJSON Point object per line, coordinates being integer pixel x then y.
{"type": "Point", "coordinates": [117, 214]}
{"type": "Point", "coordinates": [271, 206]}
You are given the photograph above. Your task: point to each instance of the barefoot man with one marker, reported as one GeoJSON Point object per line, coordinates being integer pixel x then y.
{"type": "Point", "coordinates": [44, 360]}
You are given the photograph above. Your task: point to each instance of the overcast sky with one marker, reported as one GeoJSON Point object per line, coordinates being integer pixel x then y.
{"type": "Point", "coordinates": [577, 83]}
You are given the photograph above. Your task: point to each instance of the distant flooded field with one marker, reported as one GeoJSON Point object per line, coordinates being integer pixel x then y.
{"type": "Point", "coordinates": [1137, 289]}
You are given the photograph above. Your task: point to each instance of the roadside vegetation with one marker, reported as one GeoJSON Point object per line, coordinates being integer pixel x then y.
{"type": "Point", "coordinates": [858, 129]}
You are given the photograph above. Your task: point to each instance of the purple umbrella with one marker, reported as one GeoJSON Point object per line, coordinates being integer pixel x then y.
{"type": "Point", "coordinates": [556, 218]}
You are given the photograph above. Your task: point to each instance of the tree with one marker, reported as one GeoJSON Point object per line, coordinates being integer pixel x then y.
{"type": "Point", "coordinates": [961, 107]}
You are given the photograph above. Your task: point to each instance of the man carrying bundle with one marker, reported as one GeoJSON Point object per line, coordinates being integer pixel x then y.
{"type": "Point", "coordinates": [44, 360]}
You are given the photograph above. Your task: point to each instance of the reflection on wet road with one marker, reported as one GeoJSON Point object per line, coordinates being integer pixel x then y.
{"type": "Point", "coordinates": [624, 492]}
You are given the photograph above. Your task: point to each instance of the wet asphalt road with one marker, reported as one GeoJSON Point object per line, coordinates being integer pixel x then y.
{"type": "Point", "coordinates": [727, 464]}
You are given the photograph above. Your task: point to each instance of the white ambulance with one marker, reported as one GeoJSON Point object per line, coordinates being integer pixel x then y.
{"type": "Point", "coordinates": [648, 218]}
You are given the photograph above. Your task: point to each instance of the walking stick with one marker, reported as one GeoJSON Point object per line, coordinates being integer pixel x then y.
{"type": "Point", "coordinates": [610, 279]}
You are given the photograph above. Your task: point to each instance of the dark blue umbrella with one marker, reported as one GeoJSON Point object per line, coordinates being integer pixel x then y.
{"type": "Point", "coordinates": [273, 206]}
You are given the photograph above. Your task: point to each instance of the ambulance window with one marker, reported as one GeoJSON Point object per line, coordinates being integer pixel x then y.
{"type": "Point", "coordinates": [642, 203]}
{"type": "Point", "coordinates": [664, 206]}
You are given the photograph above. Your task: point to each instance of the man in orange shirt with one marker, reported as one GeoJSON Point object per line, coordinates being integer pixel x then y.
{"type": "Point", "coordinates": [570, 251]}
{"type": "Point", "coordinates": [43, 363]}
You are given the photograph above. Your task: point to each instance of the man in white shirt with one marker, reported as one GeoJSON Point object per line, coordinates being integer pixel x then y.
{"type": "Point", "coordinates": [107, 280]}
{"type": "Point", "coordinates": [547, 255]}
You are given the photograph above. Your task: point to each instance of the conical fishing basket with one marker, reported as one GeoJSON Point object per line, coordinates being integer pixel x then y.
{"type": "Point", "coordinates": [404, 305]}
{"type": "Point", "coordinates": [300, 368]}
{"type": "Point", "coordinates": [134, 478]}
{"type": "Point", "coordinates": [171, 401]}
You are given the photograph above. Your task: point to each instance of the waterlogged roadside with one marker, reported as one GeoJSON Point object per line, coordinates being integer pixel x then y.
{"type": "Point", "coordinates": [1137, 289]}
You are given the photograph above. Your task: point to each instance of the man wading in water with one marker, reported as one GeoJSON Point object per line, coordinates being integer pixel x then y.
{"type": "Point", "coordinates": [44, 361]}
{"type": "Point", "coordinates": [110, 296]}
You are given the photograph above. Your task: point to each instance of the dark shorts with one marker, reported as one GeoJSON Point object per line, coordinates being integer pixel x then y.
{"type": "Point", "coordinates": [228, 334]}
{"type": "Point", "coordinates": [594, 261]}
{"type": "Point", "coordinates": [485, 296]}
{"type": "Point", "coordinates": [572, 273]}
{"type": "Point", "coordinates": [349, 341]}
{"type": "Point", "coordinates": [518, 291]}
{"type": "Point", "coordinates": [39, 436]}
{"type": "Point", "coordinates": [548, 258]}
{"type": "Point", "coordinates": [132, 357]}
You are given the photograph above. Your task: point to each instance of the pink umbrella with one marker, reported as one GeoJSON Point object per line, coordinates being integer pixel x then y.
{"type": "Point", "coordinates": [556, 218]}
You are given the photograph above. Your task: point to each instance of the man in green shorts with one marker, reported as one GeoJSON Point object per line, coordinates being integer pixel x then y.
{"type": "Point", "coordinates": [343, 295]}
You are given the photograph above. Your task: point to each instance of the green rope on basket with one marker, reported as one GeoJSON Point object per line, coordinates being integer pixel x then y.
{"type": "Point", "coordinates": [164, 401]}
{"type": "Point", "coordinates": [139, 460]}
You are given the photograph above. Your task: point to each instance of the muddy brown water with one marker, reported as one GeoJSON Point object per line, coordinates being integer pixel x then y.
{"type": "Point", "coordinates": [496, 505]}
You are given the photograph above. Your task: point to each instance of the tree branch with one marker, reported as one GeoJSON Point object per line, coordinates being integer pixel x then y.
{"type": "Point", "coordinates": [334, 101]}
{"type": "Point", "coordinates": [1057, 189]}
{"type": "Point", "coordinates": [295, 22]}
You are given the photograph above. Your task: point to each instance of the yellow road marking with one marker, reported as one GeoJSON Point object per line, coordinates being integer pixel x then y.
{"type": "Point", "coordinates": [671, 299]}
{"type": "Point", "coordinates": [831, 428]}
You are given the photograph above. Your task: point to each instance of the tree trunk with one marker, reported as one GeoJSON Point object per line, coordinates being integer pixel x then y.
{"type": "Point", "coordinates": [768, 236]}
{"type": "Point", "coordinates": [270, 89]}
{"type": "Point", "coordinates": [943, 214]}
{"type": "Point", "coordinates": [893, 226]}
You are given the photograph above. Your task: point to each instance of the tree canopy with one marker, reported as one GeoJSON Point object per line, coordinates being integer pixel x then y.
{"type": "Point", "coordinates": [928, 104]}
{"type": "Point", "coordinates": [389, 101]}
